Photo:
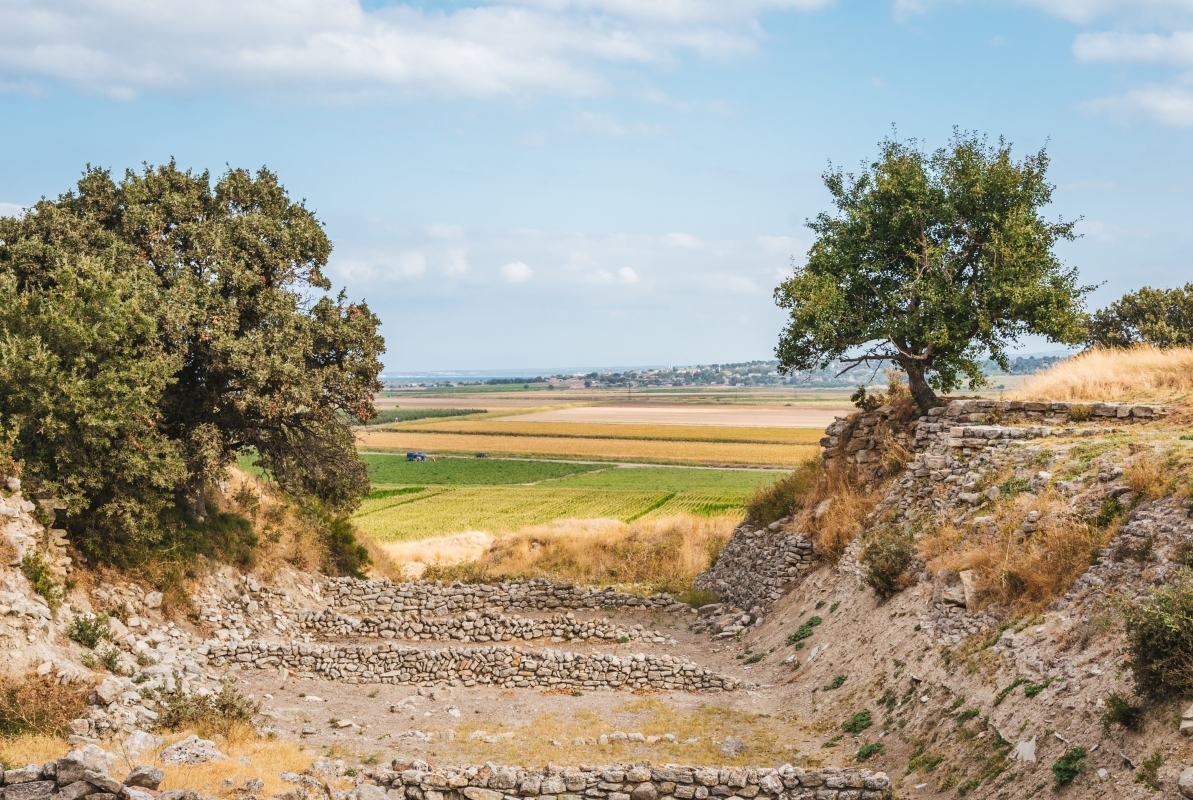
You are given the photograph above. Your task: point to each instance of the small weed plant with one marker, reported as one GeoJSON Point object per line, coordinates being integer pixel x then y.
{"type": "Point", "coordinates": [1149, 771]}
{"type": "Point", "coordinates": [213, 714]}
{"type": "Point", "coordinates": [867, 751]}
{"type": "Point", "coordinates": [1120, 711]}
{"type": "Point", "coordinates": [89, 630]}
{"type": "Point", "coordinates": [836, 683]}
{"type": "Point", "coordinates": [968, 714]}
{"type": "Point", "coordinates": [1069, 766]}
{"type": "Point", "coordinates": [37, 570]}
{"type": "Point", "coordinates": [803, 631]}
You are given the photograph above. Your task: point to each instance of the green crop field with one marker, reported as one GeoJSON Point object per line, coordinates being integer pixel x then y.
{"type": "Point", "coordinates": [418, 500]}
{"type": "Point", "coordinates": [723, 481]}
{"type": "Point", "coordinates": [395, 470]}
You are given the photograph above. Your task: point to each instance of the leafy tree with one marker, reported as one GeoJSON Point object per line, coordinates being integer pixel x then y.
{"type": "Point", "coordinates": [1160, 317]}
{"type": "Point", "coordinates": [82, 371]}
{"type": "Point", "coordinates": [931, 261]}
{"type": "Point", "coordinates": [164, 324]}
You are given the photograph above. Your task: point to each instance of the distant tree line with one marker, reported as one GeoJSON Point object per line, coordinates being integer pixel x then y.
{"type": "Point", "coordinates": [155, 328]}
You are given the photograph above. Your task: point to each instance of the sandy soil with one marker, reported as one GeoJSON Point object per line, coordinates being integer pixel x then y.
{"type": "Point", "coordinates": [737, 416]}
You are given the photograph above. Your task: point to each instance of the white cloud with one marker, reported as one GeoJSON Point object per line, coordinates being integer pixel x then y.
{"type": "Point", "coordinates": [1121, 46]}
{"type": "Point", "coordinates": [1168, 105]}
{"type": "Point", "coordinates": [386, 266]}
{"type": "Point", "coordinates": [1087, 10]}
{"type": "Point", "coordinates": [607, 125]}
{"type": "Point", "coordinates": [684, 240]}
{"type": "Point", "coordinates": [627, 275]}
{"type": "Point", "coordinates": [515, 272]}
{"type": "Point", "coordinates": [442, 230]}
{"type": "Point", "coordinates": [11, 210]}
{"type": "Point", "coordinates": [334, 49]}
{"type": "Point", "coordinates": [456, 262]}
{"type": "Point", "coordinates": [782, 246]}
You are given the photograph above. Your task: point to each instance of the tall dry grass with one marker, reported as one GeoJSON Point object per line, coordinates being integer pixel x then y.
{"type": "Point", "coordinates": [659, 555]}
{"type": "Point", "coordinates": [411, 559]}
{"type": "Point", "coordinates": [1138, 373]}
{"type": "Point", "coordinates": [1021, 573]}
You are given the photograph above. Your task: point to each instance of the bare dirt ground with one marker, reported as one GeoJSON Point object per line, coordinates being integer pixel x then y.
{"type": "Point", "coordinates": [667, 414]}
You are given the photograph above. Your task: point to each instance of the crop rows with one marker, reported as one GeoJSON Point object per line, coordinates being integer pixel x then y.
{"type": "Point", "coordinates": [641, 450]}
{"type": "Point", "coordinates": [596, 430]}
{"type": "Point", "coordinates": [496, 509]}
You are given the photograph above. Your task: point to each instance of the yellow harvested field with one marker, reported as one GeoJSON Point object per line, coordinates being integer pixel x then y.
{"type": "Point", "coordinates": [512, 426]}
{"type": "Point", "coordinates": [635, 450]}
{"type": "Point", "coordinates": [803, 415]}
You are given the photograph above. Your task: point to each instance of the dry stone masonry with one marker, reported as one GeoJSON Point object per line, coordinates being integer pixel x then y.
{"type": "Point", "coordinates": [757, 564]}
{"type": "Point", "coordinates": [640, 781]}
{"type": "Point", "coordinates": [371, 596]}
{"type": "Point", "coordinates": [488, 625]}
{"type": "Point", "coordinates": [503, 666]}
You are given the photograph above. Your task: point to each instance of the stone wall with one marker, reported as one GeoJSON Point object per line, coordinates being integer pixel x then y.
{"type": "Point", "coordinates": [640, 781]}
{"type": "Point", "coordinates": [473, 626]}
{"type": "Point", "coordinates": [369, 596]}
{"type": "Point", "coordinates": [756, 564]}
{"type": "Point", "coordinates": [503, 666]}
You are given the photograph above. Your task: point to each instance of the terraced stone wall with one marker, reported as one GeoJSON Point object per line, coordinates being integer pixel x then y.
{"type": "Point", "coordinates": [503, 666]}
{"type": "Point", "coordinates": [756, 565]}
{"type": "Point", "coordinates": [640, 781]}
{"type": "Point", "coordinates": [370, 596]}
{"type": "Point", "coordinates": [473, 626]}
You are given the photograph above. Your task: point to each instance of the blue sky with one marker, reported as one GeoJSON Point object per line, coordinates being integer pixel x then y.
{"type": "Point", "coordinates": [591, 182]}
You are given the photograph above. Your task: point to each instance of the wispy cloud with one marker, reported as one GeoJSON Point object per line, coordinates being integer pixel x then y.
{"type": "Point", "coordinates": [335, 49]}
{"type": "Point", "coordinates": [516, 272]}
{"type": "Point", "coordinates": [11, 210]}
{"type": "Point", "coordinates": [607, 125]}
{"type": "Point", "coordinates": [1170, 105]}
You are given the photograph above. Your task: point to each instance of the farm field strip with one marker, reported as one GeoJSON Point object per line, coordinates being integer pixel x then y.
{"type": "Point", "coordinates": [498, 509]}
{"type": "Point", "coordinates": [642, 450]}
{"type": "Point", "coordinates": [395, 470]}
{"type": "Point", "coordinates": [600, 430]}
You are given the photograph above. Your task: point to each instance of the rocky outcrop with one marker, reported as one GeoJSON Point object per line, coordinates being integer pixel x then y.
{"type": "Point", "coordinates": [82, 772]}
{"type": "Point", "coordinates": [508, 667]}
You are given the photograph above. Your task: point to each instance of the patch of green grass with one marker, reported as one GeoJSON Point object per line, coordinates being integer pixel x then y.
{"type": "Point", "coordinates": [381, 494]}
{"type": "Point", "coordinates": [923, 760]}
{"type": "Point", "coordinates": [834, 607]}
{"type": "Point", "coordinates": [819, 604]}
{"type": "Point", "coordinates": [1069, 766]}
{"type": "Point", "coordinates": [37, 570]}
{"type": "Point", "coordinates": [727, 481]}
{"type": "Point", "coordinates": [803, 631]}
{"type": "Point", "coordinates": [1002, 695]}
{"type": "Point", "coordinates": [833, 741]}
{"type": "Point", "coordinates": [394, 470]}
{"type": "Point", "coordinates": [754, 659]}
{"type": "Point", "coordinates": [967, 714]}
{"type": "Point", "coordinates": [388, 415]}
{"type": "Point", "coordinates": [1013, 486]}
{"type": "Point", "coordinates": [1033, 689]}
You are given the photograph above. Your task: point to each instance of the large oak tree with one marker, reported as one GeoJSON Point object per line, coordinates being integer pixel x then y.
{"type": "Point", "coordinates": [933, 261]}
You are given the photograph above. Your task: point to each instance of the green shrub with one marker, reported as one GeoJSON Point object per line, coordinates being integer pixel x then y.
{"type": "Point", "coordinates": [89, 630]}
{"type": "Point", "coordinates": [1013, 486]}
{"type": "Point", "coordinates": [887, 555]}
{"type": "Point", "coordinates": [858, 722]}
{"type": "Point", "coordinates": [867, 750]}
{"type": "Point", "coordinates": [346, 556]}
{"type": "Point", "coordinates": [1002, 695]}
{"type": "Point", "coordinates": [1069, 766]}
{"type": "Point", "coordinates": [923, 760]}
{"type": "Point", "coordinates": [1120, 711]}
{"type": "Point", "coordinates": [1149, 772]}
{"type": "Point", "coordinates": [835, 683]}
{"type": "Point", "coordinates": [103, 658]}
{"type": "Point", "coordinates": [37, 570]}
{"type": "Point", "coordinates": [1108, 513]}
{"type": "Point", "coordinates": [1160, 638]}
{"type": "Point", "coordinates": [968, 714]}
{"type": "Point", "coordinates": [803, 631]}
{"type": "Point", "coordinates": [218, 713]}
{"type": "Point", "coordinates": [786, 496]}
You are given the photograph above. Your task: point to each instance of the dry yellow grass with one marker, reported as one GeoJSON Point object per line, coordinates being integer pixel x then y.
{"type": "Point", "coordinates": [593, 430]}
{"type": "Point", "coordinates": [1021, 573]}
{"type": "Point", "coordinates": [267, 758]}
{"type": "Point", "coordinates": [1138, 373]}
{"type": "Point", "coordinates": [658, 555]}
{"type": "Point", "coordinates": [640, 450]}
{"type": "Point", "coordinates": [412, 558]}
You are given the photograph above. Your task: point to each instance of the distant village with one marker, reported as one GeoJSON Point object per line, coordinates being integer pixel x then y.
{"type": "Point", "coordinates": [744, 374]}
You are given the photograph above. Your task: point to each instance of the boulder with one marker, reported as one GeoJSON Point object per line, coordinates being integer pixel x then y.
{"type": "Point", "coordinates": [1185, 782]}
{"type": "Point", "coordinates": [103, 781]}
{"type": "Point", "coordinates": [190, 751]}
{"type": "Point", "coordinates": [153, 600]}
{"type": "Point", "coordinates": [30, 790]}
{"type": "Point", "coordinates": [145, 777]}
{"type": "Point", "coordinates": [109, 691]}
{"type": "Point", "coordinates": [733, 746]}
{"type": "Point", "coordinates": [88, 758]}
{"type": "Point", "coordinates": [367, 791]}
{"type": "Point", "coordinates": [139, 742]}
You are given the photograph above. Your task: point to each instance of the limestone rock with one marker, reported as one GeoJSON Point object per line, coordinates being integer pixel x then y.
{"type": "Point", "coordinates": [733, 746]}
{"type": "Point", "coordinates": [145, 777]}
{"type": "Point", "coordinates": [191, 750]}
{"type": "Point", "coordinates": [1185, 783]}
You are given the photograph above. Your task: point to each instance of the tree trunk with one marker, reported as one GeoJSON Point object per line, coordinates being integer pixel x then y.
{"type": "Point", "coordinates": [199, 498]}
{"type": "Point", "coordinates": [921, 392]}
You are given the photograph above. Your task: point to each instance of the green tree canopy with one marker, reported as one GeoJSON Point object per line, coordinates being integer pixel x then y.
{"type": "Point", "coordinates": [931, 261]}
{"type": "Point", "coordinates": [220, 338]}
{"type": "Point", "coordinates": [1160, 317]}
